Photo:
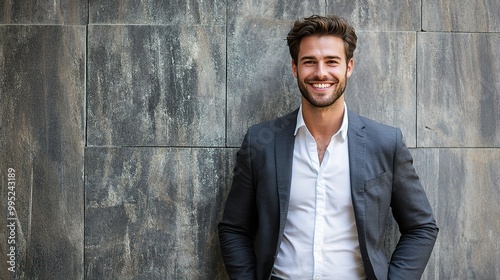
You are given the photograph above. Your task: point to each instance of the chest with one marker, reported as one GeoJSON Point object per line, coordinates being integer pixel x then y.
{"type": "Point", "coordinates": [320, 182]}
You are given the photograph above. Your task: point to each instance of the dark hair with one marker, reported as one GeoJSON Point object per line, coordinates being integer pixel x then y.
{"type": "Point", "coordinates": [320, 26]}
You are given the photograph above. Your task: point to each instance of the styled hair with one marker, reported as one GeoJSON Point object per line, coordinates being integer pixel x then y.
{"type": "Point", "coordinates": [321, 26]}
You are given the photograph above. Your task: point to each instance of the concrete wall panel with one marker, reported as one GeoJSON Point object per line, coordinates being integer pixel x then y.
{"type": "Point", "coordinates": [42, 93]}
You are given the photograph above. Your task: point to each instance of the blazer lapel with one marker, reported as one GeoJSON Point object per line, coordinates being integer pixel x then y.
{"type": "Point", "coordinates": [356, 138]}
{"type": "Point", "coordinates": [357, 151]}
{"type": "Point", "coordinates": [284, 144]}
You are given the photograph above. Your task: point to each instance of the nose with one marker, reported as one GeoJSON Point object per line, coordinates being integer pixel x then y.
{"type": "Point", "coordinates": [321, 72]}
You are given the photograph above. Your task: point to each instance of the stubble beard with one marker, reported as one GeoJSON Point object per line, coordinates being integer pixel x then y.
{"type": "Point", "coordinates": [322, 104]}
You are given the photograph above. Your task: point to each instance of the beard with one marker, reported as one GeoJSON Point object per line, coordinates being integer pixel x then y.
{"type": "Point", "coordinates": [329, 100]}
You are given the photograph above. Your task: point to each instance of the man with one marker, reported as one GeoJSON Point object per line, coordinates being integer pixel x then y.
{"type": "Point", "coordinates": [312, 190]}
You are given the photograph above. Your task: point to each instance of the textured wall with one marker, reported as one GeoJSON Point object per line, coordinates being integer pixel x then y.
{"type": "Point", "coordinates": [121, 120]}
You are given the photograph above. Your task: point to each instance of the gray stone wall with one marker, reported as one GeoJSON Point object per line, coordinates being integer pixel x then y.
{"type": "Point", "coordinates": [120, 119]}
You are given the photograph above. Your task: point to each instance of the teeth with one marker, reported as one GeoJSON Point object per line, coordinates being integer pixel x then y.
{"type": "Point", "coordinates": [321, 85]}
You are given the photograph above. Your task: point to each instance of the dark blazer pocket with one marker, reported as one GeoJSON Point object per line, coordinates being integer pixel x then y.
{"type": "Point", "coordinates": [384, 178]}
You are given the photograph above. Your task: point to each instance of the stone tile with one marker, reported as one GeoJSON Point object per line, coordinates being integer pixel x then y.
{"type": "Point", "coordinates": [260, 83]}
{"type": "Point", "coordinates": [156, 85]}
{"type": "Point", "coordinates": [382, 86]}
{"type": "Point", "coordinates": [463, 187]}
{"type": "Point", "coordinates": [154, 12]}
{"type": "Point", "coordinates": [461, 15]}
{"type": "Point", "coordinates": [42, 86]}
{"type": "Point", "coordinates": [458, 90]}
{"type": "Point", "coordinates": [244, 10]}
{"type": "Point", "coordinates": [65, 12]}
{"type": "Point", "coordinates": [152, 213]}
{"type": "Point", "coordinates": [384, 15]}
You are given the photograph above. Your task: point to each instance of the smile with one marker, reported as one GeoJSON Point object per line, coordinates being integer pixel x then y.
{"type": "Point", "coordinates": [321, 85]}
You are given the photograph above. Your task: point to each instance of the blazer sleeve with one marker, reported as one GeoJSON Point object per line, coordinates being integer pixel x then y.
{"type": "Point", "coordinates": [239, 223]}
{"type": "Point", "coordinates": [412, 211]}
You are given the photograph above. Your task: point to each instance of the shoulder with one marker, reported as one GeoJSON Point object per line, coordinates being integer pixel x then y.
{"type": "Point", "coordinates": [374, 130]}
{"type": "Point", "coordinates": [377, 126]}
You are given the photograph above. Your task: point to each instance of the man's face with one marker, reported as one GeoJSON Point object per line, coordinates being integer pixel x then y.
{"type": "Point", "coordinates": [322, 70]}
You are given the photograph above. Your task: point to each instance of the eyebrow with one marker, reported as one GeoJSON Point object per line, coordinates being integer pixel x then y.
{"type": "Point", "coordinates": [314, 58]}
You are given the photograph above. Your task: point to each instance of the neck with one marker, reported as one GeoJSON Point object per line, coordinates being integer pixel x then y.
{"type": "Point", "coordinates": [323, 123]}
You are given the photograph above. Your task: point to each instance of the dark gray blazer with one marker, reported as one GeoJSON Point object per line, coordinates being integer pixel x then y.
{"type": "Point", "coordinates": [382, 178]}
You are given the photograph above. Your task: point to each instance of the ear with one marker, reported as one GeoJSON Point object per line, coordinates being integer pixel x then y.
{"type": "Point", "coordinates": [350, 67]}
{"type": "Point", "coordinates": [294, 69]}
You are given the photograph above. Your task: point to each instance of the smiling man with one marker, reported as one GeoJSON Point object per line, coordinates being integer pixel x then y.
{"type": "Point", "coordinates": [312, 190]}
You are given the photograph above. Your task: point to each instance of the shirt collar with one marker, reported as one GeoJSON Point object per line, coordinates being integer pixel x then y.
{"type": "Point", "coordinates": [343, 128]}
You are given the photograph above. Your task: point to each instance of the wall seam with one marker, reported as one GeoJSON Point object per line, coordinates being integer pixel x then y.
{"type": "Point", "coordinates": [85, 104]}
{"type": "Point", "coordinates": [226, 74]}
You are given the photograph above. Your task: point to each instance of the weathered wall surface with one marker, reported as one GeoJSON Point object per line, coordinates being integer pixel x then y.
{"type": "Point", "coordinates": [120, 119]}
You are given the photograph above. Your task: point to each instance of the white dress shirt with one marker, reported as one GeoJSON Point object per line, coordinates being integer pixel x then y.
{"type": "Point", "coordinates": [320, 239]}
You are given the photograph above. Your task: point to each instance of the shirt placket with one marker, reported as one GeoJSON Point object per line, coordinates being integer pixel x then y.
{"type": "Point", "coordinates": [319, 220]}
